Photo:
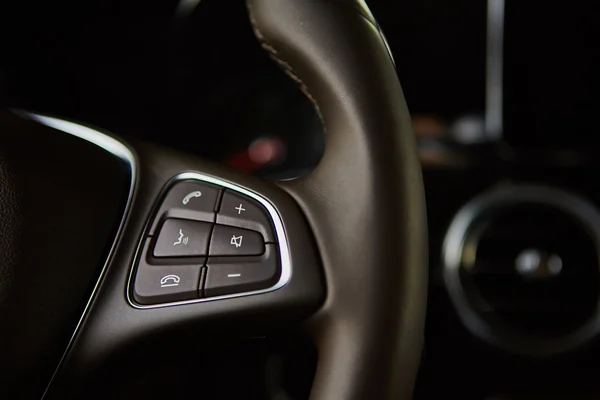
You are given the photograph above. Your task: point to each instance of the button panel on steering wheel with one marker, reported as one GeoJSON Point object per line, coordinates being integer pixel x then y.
{"type": "Point", "coordinates": [208, 240]}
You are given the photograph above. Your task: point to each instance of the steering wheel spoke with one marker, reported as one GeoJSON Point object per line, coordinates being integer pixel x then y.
{"type": "Point", "coordinates": [203, 250]}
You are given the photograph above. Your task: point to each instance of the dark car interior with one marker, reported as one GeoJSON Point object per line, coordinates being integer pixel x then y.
{"type": "Point", "coordinates": [502, 97]}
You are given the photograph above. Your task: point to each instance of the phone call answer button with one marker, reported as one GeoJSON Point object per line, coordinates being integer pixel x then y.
{"type": "Point", "coordinates": [166, 283]}
{"type": "Point", "coordinates": [188, 200]}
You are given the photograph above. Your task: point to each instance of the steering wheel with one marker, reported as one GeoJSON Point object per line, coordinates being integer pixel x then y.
{"type": "Point", "coordinates": [189, 249]}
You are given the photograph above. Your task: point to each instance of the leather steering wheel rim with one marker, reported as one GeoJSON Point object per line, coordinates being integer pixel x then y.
{"type": "Point", "coordinates": [365, 199]}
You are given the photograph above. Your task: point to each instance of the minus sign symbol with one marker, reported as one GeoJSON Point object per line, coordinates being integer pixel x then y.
{"type": "Point", "coordinates": [234, 275]}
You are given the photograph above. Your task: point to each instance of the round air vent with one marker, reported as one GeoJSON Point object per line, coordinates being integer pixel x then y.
{"type": "Point", "coordinates": [522, 268]}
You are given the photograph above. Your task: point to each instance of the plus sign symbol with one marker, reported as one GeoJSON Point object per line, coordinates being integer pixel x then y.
{"type": "Point", "coordinates": [240, 208]}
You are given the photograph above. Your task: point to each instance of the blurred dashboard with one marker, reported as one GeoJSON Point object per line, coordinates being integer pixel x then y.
{"type": "Point", "coordinates": [191, 74]}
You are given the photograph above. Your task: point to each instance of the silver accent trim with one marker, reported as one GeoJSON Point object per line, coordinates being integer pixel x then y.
{"type": "Point", "coordinates": [494, 69]}
{"type": "Point", "coordinates": [116, 148]}
{"type": "Point", "coordinates": [284, 251]}
{"type": "Point", "coordinates": [455, 247]}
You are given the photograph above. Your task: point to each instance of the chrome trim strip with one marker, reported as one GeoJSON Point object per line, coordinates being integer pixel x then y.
{"type": "Point", "coordinates": [494, 69]}
{"type": "Point", "coordinates": [116, 148]}
{"type": "Point", "coordinates": [284, 251]}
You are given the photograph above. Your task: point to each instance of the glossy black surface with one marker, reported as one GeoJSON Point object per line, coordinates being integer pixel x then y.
{"type": "Point", "coordinates": [60, 212]}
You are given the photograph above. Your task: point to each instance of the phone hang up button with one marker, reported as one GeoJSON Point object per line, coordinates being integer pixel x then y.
{"type": "Point", "coordinates": [166, 283]}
